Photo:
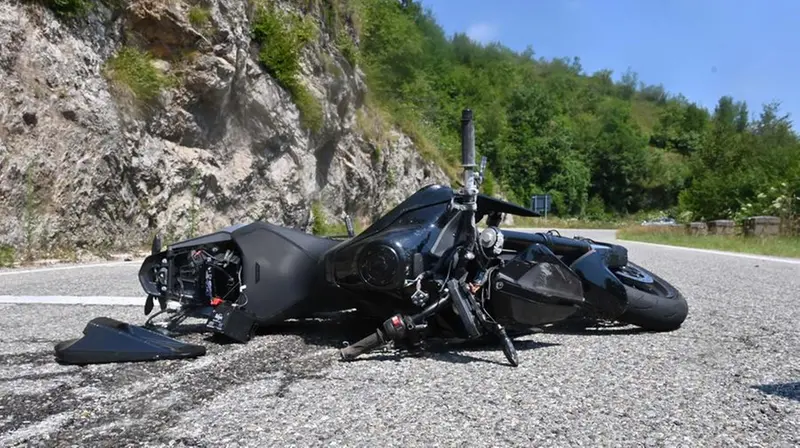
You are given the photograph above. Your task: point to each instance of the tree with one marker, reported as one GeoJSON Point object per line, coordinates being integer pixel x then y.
{"type": "Point", "coordinates": [597, 146]}
{"type": "Point", "coordinates": [628, 84]}
{"type": "Point", "coordinates": [619, 160]}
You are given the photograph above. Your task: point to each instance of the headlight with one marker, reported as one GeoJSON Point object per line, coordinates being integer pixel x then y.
{"type": "Point", "coordinates": [379, 265]}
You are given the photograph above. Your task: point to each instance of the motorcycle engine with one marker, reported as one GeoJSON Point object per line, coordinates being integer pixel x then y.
{"type": "Point", "coordinates": [491, 238]}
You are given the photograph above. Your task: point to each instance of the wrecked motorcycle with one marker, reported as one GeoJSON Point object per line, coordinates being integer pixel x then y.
{"type": "Point", "coordinates": [424, 269]}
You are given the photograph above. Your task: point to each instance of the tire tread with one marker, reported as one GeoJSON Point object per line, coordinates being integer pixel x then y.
{"type": "Point", "coordinates": [652, 311]}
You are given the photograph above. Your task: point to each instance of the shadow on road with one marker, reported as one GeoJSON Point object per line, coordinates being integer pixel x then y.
{"type": "Point", "coordinates": [329, 331]}
{"type": "Point", "coordinates": [592, 328]}
{"type": "Point", "coordinates": [454, 352]}
{"type": "Point", "coordinates": [332, 332]}
{"type": "Point", "coordinates": [785, 390]}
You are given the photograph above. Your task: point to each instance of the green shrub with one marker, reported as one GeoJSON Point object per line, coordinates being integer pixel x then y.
{"type": "Point", "coordinates": [134, 70]}
{"type": "Point", "coordinates": [199, 17]}
{"type": "Point", "coordinates": [321, 227]}
{"type": "Point", "coordinates": [311, 113]}
{"type": "Point", "coordinates": [69, 8]}
{"type": "Point", "coordinates": [348, 48]}
{"type": "Point", "coordinates": [282, 37]}
{"type": "Point", "coordinates": [596, 209]}
{"type": "Point", "coordinates": [7, 255]}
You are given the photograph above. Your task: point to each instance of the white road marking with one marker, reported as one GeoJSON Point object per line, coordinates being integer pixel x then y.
{"type": "Point", "coordinates": [74, 300]}
{"type": "Point", "coordinates": [717, 252]}
{"type": "Point", "coordinates": [77, 266]}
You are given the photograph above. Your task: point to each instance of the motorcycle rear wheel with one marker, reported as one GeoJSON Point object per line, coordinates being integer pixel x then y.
{"type": "Point", "coordinates": [653, 304]}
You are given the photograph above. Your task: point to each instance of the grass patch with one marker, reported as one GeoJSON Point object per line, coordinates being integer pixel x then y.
{"type": "Point", "coordinates": [7, 255]}
{"type": "Point", "coordinates": [336, 14]}
{"type": "Point", "coordinates": [199, 17]}
{"type": "Point", "coordinates": [555, 222]}
{"type": "Point", "coordinates": [321, 227]}
{"type": "Point", "coordinates": [373, 123]}
{"type": "Point", "coordinates": [781, 246]}
{"type": "Point", "coordinates": [281, 37]}
{"type": "Point", "coordinates": [378, 117]}
{"type": "Point", "coordinates": [311, 113]}
{"type": "Point", "coordinates": [331, 67]}
{"type": "Point", "coordinates": [133, 70]}
{"type": "Point", "coordinates": [348, 48]}
{"type": "Point", "coordinates": [427, 141]}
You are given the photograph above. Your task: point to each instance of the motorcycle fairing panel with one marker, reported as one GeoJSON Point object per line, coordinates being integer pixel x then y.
{"type": "Point", "coordinates": [591, 261]}
{"type": "Point", "coordinates": [534, 288]}
{"type": "Point", "coordinates": [280, 267]}
{"type": "Point", "coordinates": [108, 340]}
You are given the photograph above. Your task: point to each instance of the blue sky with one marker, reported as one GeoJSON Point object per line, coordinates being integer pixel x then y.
{"type": "Point", "coordinates": [703, 49]}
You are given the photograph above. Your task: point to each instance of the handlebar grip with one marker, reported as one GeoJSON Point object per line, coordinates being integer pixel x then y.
{"type": "Point", "coordinates": [368, 343]}
{"type": "Point", "coordinates": [467, 138]}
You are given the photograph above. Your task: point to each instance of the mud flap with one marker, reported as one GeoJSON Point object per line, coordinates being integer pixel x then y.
{"type": "Point", "coordinates": [107, 340]}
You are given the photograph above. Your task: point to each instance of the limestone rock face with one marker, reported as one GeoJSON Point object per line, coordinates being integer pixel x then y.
{"type": "Point", "coordinates": [82, 165]}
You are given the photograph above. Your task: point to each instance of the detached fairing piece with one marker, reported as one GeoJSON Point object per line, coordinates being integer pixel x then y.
{"type": "Point", "coordinates": [108, 340]}
{"type": "Point", "coordinates": [423, 269]}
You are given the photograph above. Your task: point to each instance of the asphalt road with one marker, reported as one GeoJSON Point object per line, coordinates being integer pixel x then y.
{"type": "Point", "coordinates": [729, 377]}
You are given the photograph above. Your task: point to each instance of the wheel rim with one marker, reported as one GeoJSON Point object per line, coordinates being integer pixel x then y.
{"type": "Point", "coordinates": [638, 278]}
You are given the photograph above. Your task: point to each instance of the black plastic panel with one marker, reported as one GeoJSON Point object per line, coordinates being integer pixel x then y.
{"type": "Point", "coordinates": [281, 267]}
{"type": "Point", "coordinates": [602, 289]}
{"type": "Point", "coordinates": [425, 197]}
{"type": "Point", "coordinates": [535, 288]}
{"type": "Point", "coordinates": [107, 340]}
{"type": "Point", "coordinates": [412, 235]}
{"type": "Point", "coordinates": [488, 204]}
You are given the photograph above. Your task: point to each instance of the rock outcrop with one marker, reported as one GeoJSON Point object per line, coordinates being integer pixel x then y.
{"type": "Point", "coordinates": [83, 164]}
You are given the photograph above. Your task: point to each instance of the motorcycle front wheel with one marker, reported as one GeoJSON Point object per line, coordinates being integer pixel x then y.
{"type": "Point", "coordinates": [653, 303]}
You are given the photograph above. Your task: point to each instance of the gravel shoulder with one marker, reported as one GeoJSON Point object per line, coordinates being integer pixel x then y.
{"type": "Point", "coordinates": [729, 377]}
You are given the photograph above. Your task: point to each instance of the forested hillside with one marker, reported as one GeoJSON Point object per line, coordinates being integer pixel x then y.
{"type": "Point", "coordinates": [123, 118]}
{"type": "Point", "coordinates": [598, 146]}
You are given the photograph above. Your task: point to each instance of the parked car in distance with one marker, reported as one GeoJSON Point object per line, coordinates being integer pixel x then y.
{"type": "Point", "coordinates": [662, 221]}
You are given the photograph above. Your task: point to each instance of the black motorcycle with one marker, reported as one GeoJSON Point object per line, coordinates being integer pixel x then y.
{"type": "Point", "coordinates": [425, 269]}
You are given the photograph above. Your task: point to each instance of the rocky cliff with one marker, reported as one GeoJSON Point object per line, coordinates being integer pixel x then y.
{"type": "Point", "coordinates": [89, 160]}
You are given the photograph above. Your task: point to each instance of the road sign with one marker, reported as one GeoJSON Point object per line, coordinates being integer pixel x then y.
{"type": "Point", "coordinates": [541, 203]}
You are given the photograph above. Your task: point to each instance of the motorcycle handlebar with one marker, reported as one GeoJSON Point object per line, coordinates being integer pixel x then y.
{"type": "Point", "coordinates": [364, 345]}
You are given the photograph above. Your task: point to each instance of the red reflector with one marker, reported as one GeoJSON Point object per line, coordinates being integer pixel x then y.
{"type": "Point", "coordinates": [216, 301]}
{"type": "Point", "coordinates": [396, 321]}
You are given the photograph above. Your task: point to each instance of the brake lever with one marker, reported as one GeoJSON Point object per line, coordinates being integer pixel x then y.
{"type": "Point", "coordinates": [481, 176]}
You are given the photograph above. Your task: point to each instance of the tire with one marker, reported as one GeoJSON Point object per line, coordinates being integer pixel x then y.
{"type": "Point", "coordinates": [662, 308]}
